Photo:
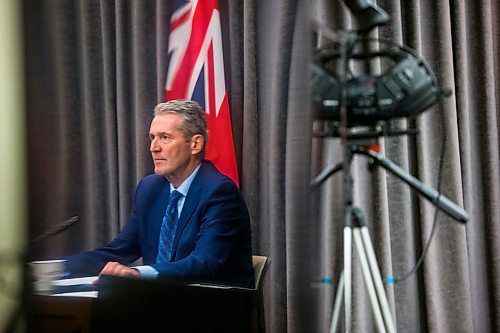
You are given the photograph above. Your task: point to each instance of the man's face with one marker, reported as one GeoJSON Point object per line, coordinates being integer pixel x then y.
{"type": "Point", "coordinates": [172, 152]}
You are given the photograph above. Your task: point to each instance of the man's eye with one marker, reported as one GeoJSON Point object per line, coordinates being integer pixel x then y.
{"type": "Point", "coordinates": [165, 138]}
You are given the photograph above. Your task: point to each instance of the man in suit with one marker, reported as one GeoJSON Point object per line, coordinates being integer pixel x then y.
{"type": "Point", "coordinates": [189, 222]}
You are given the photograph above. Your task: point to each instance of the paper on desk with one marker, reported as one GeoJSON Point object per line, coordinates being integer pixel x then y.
{"type": "Point", "coordinates": [215, 286]}
{"type": "Point", "coordinates": [92, 294]}
{"type": "Point", "coordinates": [81, 287]}
{"type": "Point", "coordinates": [75, 281]}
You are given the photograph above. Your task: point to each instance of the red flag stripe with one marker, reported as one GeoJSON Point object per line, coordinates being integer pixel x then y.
{"type": "Point", "coordinates": [196, 55]}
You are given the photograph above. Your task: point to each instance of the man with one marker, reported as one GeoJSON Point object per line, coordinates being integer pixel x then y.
{"type": "Point", "coordinates": [188, 222]}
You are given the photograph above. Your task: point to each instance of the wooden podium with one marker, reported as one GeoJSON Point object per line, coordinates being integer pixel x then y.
{"type": "Point", "coordinates": [135, 305]}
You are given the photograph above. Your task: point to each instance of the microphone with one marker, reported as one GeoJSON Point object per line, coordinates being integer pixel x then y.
{"type": "Point", "coordinates": [55, 231]}
{"type": "Point", "coordinates": [21, 311]}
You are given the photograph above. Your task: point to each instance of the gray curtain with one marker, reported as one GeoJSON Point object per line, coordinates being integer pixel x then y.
{"type": "Point", "coordinates": [95, 70]}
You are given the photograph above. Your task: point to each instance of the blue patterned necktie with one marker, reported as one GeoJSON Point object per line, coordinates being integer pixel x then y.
{"type": "Point", "coordinates": [168, 227]}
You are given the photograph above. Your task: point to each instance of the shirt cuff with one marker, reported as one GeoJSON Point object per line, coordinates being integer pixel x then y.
{"type": "Point", "coordinates": [147, 272]}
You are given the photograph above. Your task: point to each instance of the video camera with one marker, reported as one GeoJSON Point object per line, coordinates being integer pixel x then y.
{"type": "Point", "coordinates": [406, 89]}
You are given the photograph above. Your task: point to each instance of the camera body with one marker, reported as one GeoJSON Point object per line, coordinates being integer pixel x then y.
{"type": "Point", "coordinates": [406, 89]}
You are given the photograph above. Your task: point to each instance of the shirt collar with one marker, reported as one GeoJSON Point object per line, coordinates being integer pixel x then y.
{"type": "Point", "coordinates": [184, 187]}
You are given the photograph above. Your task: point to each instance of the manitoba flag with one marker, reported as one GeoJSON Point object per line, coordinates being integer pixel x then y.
{"type": "Point", "coordinates": [196, 72]}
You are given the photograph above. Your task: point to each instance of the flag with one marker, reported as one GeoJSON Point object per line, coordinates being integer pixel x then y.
{"type": "Point", "coordinates": [196, 72]}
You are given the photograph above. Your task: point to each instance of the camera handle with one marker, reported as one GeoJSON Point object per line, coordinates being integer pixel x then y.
{"type": "Point", "coordinates": [435, 197]}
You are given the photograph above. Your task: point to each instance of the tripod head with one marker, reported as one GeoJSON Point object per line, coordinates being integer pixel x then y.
{"type": "Point", "coordinates": [373, 131]}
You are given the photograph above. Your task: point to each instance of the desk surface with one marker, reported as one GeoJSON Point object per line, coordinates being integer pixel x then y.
{"type": "Point", "coordinates": [132, 305]}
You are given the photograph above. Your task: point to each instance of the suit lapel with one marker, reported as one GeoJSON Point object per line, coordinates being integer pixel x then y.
{"type": "Point", "coordinates": [192, 201]}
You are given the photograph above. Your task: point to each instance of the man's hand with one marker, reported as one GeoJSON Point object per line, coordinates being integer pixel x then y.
{"type": "Point", "coordinates": [117, 269]}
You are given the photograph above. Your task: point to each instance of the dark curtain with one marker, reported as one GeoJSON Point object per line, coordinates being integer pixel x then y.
{"type": "Point", "coordinates": [95, 70]}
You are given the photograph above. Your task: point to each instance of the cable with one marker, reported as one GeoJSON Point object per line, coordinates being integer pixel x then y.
{"type": "Point", "coordinates": [444, 138]}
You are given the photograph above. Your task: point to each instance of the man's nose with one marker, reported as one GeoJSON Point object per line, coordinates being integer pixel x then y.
{"type": "Point", "coordinates": [154, 145]}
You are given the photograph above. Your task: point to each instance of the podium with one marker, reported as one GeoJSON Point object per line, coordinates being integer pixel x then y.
{"type": "Point", "coordinates": [137, 305]}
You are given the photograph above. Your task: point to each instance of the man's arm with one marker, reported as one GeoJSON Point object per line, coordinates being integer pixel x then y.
{"type": "Point", "coordinates": [123, 249]}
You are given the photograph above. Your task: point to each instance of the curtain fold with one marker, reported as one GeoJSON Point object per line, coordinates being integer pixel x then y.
{"type": "Point", "coordinates": [96, 69]}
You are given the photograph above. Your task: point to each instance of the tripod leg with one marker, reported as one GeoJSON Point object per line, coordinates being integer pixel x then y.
{"type": "Point", "coordinates": [347, 277]}
{"type": "Point", "coordinates": [339, 297]}
{"type": "Point", "coordinates": [360, 250]}
{"type": "Point", "coordinates": [377, 279]}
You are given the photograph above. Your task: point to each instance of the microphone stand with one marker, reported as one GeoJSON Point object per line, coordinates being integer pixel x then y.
{"type": "Point", "coordinates": [20, 313]}
{"type": "Point", "coordinates": [55, 231]}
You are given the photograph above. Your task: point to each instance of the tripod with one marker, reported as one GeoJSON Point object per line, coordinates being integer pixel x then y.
{"type": "Point", "coordinates": [367, 100]}
{"type": "Point", "coordinates": [355, 229]}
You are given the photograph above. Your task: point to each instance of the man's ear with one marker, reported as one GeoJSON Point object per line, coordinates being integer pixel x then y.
{"type": "Point", "coordinates": [197, 144]}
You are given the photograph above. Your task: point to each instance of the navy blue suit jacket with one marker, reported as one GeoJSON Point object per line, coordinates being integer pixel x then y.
{"type": "Point", "coordinates": [212, 241]}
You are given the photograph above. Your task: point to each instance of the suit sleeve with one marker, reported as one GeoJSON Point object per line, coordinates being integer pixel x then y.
{"type": "Point", "coordinates": [123, 249]}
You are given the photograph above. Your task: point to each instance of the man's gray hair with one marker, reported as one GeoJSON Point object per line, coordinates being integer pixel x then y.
{"type": "Point", "coordinates": [194, 117]}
